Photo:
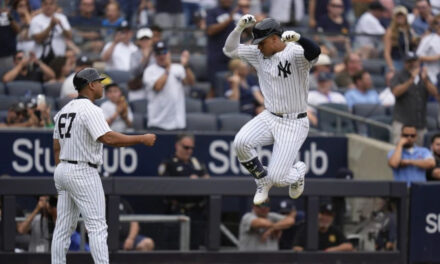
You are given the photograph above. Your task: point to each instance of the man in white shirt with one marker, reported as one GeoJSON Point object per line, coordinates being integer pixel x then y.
{"type": "Point", "coordinates": [117, 53]}
{"type": "Point", "coordinates": [67, 89]}
{"type": "Point", "coordinates": [50, 31]}
{"type": "Point", "coordinates": [429, 51]}
{"type": "Point", "coordinates": [117, 113]}
{"type": "Point", "coordinates": [165, 92]}
{"type": "Point", "coordinates": [369, 24]}
{"type": "Point", "coordinates": [322, 95]}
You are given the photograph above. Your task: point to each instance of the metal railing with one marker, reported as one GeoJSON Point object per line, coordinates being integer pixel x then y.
{"type": "Point", "coordinates": [215, 189]}
{"type": "Point", "coordinates": [340, 115]}
{"type": "Point", "coordinates": [185, 226]}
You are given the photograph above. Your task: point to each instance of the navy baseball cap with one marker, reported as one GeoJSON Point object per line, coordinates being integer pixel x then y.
{"type": "Point", "coordinates": [83, 61]}
{"type": "Point", "coordinates": [324, 76]}
{"type": "Point", "coordinates": [287, 206]}
{"type": "Point", "coordinates": [410, 56]}
{"type": "Point", "coordinates": [123, 26]}
{"type": "Point", "coordinates": [327, 208]}
{"type": "Point", "coordinates": [160, 48]}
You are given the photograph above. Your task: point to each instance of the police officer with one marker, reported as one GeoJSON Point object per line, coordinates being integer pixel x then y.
{"type": "Point", "coordinates": [183, 164]}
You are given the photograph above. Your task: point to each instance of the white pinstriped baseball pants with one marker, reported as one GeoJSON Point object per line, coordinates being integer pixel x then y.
{"type": "Point", "coordinates": [286, 135]}
{"type": "Point", "coordinates": [79, 191]}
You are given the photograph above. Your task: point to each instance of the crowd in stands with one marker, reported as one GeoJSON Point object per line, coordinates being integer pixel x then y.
{"type": "Point", "coordinates": [167, 71]}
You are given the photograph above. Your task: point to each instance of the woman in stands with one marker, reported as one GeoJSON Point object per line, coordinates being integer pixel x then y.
{"type": "Point", "coordinates": [398, 39]}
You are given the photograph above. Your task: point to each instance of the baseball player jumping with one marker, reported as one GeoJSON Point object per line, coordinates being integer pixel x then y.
{"type": "Point", "coordinates": [283, 61]}
{"type": "Point", "coordinates": [80, 130]}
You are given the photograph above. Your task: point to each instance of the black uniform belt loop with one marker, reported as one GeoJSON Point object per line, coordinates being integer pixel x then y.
{"type": "Point", "coordinates": [76, 162]}
{"type": "Point", "coordinates": [300, 115]}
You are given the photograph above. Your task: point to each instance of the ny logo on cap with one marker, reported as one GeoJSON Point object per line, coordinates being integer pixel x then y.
{"type": "Point", "coordinates": [285, 69]}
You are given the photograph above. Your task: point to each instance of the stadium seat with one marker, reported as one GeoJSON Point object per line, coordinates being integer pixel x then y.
{"type": "Point", "coordinates": [379, 132]}
{"type": "Point", "coordinates": [193, 105]}
{"type": "Point", "coordinates": [222, 105]}
{"type": "Point", "coordinates": [139, 106]}
{"type": "Point", "coordinates": [432, 110]}
{"type": "Point", "coordinates": [220, 79]}
{"type": "Point", "coordinates": [329, 122]}
{"type": "Point", "coordinates": [368, 111]}
{"type": "Point", "coordinates": [6, 101]}
{"type": "Point", "coordinates": [198, 65]}
{"type": "Point", "coordinates": [2, 88]}
{"type": "Point", "coordinates": [139, 122]}
{"type": "Point", "coordinates": [201, 122]}
{"type": "Point", "coordinates": [200, 90]}
{"type": "Point", "coordinates": [50, 101]}
{"type": "Point", "coordinates": [431, 123]}
{"type": "Point", "coordinates": [20, 88]}
{"type": "Point", "coordinates": [119, 76]}
{"type": "Point", "coordinates": [379, 81]}
{"type": "Point", "coordinates": [3, 115]}
{"type": "Point", "coordinates": [374, 66]}
{"type": "Point", "coordinates": [233, 122]}
{"type": "Point", "coordinates": [52, 89]}
{"type": "Point", "coordinates": [61, 102]}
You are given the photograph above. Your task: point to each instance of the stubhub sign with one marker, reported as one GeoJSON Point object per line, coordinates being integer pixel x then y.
{"type": "Point", "coordinates": [29, 153]}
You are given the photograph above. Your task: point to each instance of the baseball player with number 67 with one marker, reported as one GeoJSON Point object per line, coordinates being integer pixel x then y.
{"type": "Point", "coordinates": [283, 61]}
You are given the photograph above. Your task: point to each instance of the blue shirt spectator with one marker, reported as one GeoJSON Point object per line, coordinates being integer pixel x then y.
{"type": "Point", "coordinates": [408, 161]}
{"type": "Point", "coordinates": [363, 92]}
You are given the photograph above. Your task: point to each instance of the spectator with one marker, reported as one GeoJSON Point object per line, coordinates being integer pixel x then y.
{"type": "Point", "coordinates": [287, 207]}
{"type": "Point", "coordinates": [139, 61]}
{"type": "Point", "coordinates": [184, 164]}
{"type": "Point", "coordinates": [164, 82]}
{"type": "Point", "coordinates": [352, 65]}
{"type": "Point", "coordinates": [67, 89]}
{"type": "Point", "coordinates": [116, 110]}
{"type": "Point", "coordinates": [423, 18]}
{"type": "Point", "coordinates": [244, 88]}
{"type": "Point", "coordinates": [220, 21]}
{"type": "Point", "coordinates": [334, 22]}
{"type": "Point", "coordinates": [113, 18]}
{"type": "Point", "coordinates": [28, 69]}
{"type": "Point", "coordinates": [408, 161]}
{"type": "Point", "coordinates": [323, 64]}
{"type": "Point", "coordinates": [330, 239]}
{"type": "Point", "coordinates": [323, 95]}
{"type": "Point", "coordinates": [22, 15]}
{"type": "Point", "coordinates": [318, 8]}
{"type": "Point", "coordinates": [60, 68]}
{"type": "Point", "coordinates": [16, 116]}
{"type": "Point", "coordinates": [144, 13]}
{"type": "Point", "coordinates": [429, 51]}
{"type": "Point", "coordinates": [50, 31]}
{"type": "Point", "coordinates": [86, 25]}
{"type": "Point", "coordinates": [411, 87]}
{"type": "Point", "coordinates": [129, 237]}
{"type": "Point", "coordinates": [433, 174]}
{"type": "Point", "coordinates": [386, 97]}
{"type": "Point", "coordinates": [117, 53]}
{"type": "Point", "coordinates": [363, 92]}
{"type": "Point", "coordinates": [40, 223]}
{"type": "Point", "coordinates": [169, 14]}
{"type": "Point", "coordinates": [8, 32]}
{"type": "Point", "coordinates": [369, 24]}
{"type": "Point", "coordinates": [157, 33]}
{"type": "Point", "coordinates": [261, 229]}
{"type": "Point", "coordinates": [398, 40]}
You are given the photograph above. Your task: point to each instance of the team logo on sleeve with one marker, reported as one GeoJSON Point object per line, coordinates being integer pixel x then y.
{"type": "Point", "coordinates": [285, 69]}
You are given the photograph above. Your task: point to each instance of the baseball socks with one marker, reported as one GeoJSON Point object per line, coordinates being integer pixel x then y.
{"type": "Point", "coordinates": [259, 172]}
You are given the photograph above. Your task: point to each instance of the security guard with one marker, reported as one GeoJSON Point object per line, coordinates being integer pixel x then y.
{"type": "Point", "coordinates": [183, 164]}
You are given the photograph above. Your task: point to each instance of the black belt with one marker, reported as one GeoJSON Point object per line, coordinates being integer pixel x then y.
{"type": "Point", "coordinates": [76, 162]}
{"type": "Point", "coordinates": [300, 115]}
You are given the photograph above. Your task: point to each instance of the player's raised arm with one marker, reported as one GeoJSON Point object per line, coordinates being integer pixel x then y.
{"type": "Point", "coordinates": [311, 49]}
{"type": "Point", "coordinates": [233, 40]}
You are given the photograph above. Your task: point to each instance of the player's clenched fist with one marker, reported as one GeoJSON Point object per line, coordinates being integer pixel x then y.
{"type": "Point", "coordinates": [149, 139]}
{"type": "Point", "coordinates": [290, 35]}
{"type": "Point", "coordinates": [246, 21]}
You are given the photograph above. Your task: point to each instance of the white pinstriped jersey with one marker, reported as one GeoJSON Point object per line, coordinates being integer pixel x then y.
{"type": "Point", "coordinates": [78, 125]}
{"type": "Point", "coordinates": [283, 77]}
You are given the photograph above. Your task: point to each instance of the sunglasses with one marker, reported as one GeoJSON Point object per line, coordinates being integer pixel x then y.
{"type": "Point", "coordinates": [337, 6]}
{"type": "Point", "coordinates": [244, 6]}
{"type": "Point", "coordinates": [409, 135]}
{"type": "Point", "coordinates": [187, 147]}
{"type": "Point", "coordinates": [19, 58]}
